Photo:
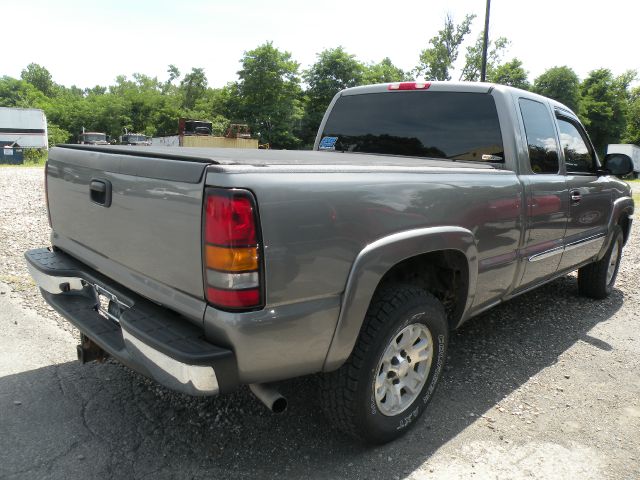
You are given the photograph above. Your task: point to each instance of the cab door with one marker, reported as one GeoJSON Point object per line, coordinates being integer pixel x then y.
{"type": "Point", "coordinates": [590, 195]}
{"type": "Point", "coordinates": [546, 195]}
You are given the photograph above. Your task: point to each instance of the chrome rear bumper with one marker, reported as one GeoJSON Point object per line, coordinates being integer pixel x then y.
{"type": "Point", "coordinates": [148, 338]}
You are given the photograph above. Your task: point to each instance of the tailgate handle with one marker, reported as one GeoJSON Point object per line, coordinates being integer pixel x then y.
{"type": "Point", "coordinates": [100, 191]}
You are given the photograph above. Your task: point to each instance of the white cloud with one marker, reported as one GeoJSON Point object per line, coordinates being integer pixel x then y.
{"type": "Point", "coordinates": [576, 144]}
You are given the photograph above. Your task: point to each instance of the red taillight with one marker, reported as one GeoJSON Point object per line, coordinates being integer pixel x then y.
{"type": "Point", "coordinates": [233, 298]}
{"type": "Point", "coordinates": [230, 220]}
{"type": "Point", "coordinates": [409, 86]}
{"type": "Point", "coordinates": [231, 251]}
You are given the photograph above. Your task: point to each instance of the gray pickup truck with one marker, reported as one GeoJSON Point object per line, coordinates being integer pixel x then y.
{"type": "Point", "coordinates": [422, 205]}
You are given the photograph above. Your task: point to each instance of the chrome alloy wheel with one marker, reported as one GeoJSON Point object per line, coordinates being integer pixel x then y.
{"type": "Point", "coordinates": [613, 261]}
{"type": "Point", "coordinates": [403, 369]}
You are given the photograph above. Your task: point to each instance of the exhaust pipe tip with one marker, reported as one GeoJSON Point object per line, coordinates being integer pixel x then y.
{"type": "Point", "coordinates": [279, 405]}
{"type": "Point", "coordinates": [269, 396]}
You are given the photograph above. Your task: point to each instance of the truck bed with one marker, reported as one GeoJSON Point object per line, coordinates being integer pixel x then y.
{"type": "Point", "coordinates": [149, 237]}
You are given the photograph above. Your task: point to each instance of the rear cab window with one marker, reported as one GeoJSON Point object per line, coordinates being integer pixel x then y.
{"type": "Point", "coordinates": [458, 126]}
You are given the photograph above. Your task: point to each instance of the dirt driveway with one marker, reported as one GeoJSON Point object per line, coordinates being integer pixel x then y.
{"type": "Point", "coordinates": [546, 386]}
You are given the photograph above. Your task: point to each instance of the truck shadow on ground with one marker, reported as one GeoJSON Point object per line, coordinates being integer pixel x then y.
{"type": "Point", "coordinates": [104, 420]}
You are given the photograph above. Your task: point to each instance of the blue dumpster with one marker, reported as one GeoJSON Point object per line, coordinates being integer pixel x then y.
{"type": "Point", "coordinates": [11, 155]}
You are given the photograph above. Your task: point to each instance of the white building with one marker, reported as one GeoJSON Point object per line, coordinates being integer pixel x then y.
{"type": "Point", "coordinates": [23, 127]}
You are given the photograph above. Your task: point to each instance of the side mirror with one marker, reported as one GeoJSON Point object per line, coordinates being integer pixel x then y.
{"type": "Point", "coordinates": [618, 164]}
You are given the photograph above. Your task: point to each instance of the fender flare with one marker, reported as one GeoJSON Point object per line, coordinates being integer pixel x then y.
{"type": "Point", "coordinates": [621, 206]}
{"type": "Point", "coordinates": [375, 260]}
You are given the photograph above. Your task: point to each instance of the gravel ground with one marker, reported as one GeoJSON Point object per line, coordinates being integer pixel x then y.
{"type": "Point", "coordinates": [545, 386]}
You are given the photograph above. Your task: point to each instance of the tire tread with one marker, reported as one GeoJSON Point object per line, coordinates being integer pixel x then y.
{"type": "Point", "coordinates": [592, 281]}
{"type": "Point", "coordinates": [338, 389]}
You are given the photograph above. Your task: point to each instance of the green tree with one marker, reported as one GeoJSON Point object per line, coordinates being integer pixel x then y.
{"type": "Point", "coordinates": [632, 130]}
{"type": "Point", "coordinates": [603, 105]}
{"type": "Point", "coordinates": [39, 77]}
{"type": "Point", "coordinates": [97, 90]}
{"type": "Point", "coordinates": [56, 134]}
{"type": "Point", "coordinates": [213, 105]}
{"type": "Point", "coordinates": [334, 70]}
{"type": "Point", "coordinates": [383, 72]}
{"type": "Point", "coordinates": [473, 58]}
{"type": "Point", "coordinates": [269, 95]}
{"type": "Point", "coordinates": [511, 73]}
{"type": "Point", "coordinates": [437, 60]}
{"type": "Point", "coordinates": [18, 93]}
{"type": "Point", "coordinates": [561, 84]}
{"type": "Point", "coordinates": [174, 74]}
{"type": "Point", "coordinates": [193, 86]}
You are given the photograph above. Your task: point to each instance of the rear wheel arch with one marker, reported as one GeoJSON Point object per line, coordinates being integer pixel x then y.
{"type": "Point", "coordinates": [442, 273]}
{"type": "Point", "coordinates": [390, 377]}
{"type": "Point", "coordinates": [382, 261]}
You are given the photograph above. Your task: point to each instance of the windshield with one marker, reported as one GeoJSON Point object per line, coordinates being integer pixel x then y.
{"type": "Point", "coordinates": [194, 126]}
{"type": "Point", "coordinates": [451, 125]}
{"type": "Point", "coordinates": [135, 138]}
{"type": "Point", "coordinates": [95, 137]}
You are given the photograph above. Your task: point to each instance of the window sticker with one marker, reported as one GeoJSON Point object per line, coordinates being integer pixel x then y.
{"type": "Point", "coordinates": [328, 143]}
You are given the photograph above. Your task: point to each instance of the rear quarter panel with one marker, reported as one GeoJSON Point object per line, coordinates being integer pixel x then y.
{"type": "Point", "coordinates": [316, 222]}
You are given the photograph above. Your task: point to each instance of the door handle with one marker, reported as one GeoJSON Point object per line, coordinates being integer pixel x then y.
{"type": "Point", "coordinates": [98, 186]}
{"type": "Point", "coordinates": [100, 192]}
{"type": "Point", "coordinates": [576, 196]}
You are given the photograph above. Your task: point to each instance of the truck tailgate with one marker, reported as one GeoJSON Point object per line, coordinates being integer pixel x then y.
{"type": "Point", "coordinates": [148, 231]}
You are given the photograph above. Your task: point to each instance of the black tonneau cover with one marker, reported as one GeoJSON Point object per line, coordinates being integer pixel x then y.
{"type": "Point", "coordinates": [242, 156]}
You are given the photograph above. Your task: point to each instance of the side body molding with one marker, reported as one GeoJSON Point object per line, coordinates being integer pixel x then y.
{"type": "Point", "coordinates": [622, 205]}
{"type": "Point", "coordinates": [378, 258]}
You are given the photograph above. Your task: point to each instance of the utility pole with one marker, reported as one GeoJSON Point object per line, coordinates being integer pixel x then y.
{"type": "Point", "coordinates": [485, 44]}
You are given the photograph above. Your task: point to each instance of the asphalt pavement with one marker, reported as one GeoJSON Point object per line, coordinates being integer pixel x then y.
{"type": "Point", "coordinates": [545, 386]}
{"type": "Point", "coordinates": [528, 393]}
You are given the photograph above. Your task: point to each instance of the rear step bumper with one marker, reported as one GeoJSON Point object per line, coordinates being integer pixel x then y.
{"type": "Point", "coordinates": [146, 337]}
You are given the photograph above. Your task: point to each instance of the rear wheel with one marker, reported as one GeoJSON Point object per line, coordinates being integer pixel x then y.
{"type": "Point", "coordinates": [393, 370]}
{"type": "Point", "coordinates": [597, 279]}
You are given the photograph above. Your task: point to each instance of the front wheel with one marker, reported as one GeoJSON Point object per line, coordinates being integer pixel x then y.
{"type": "Point", "coordinates": [391, 375]}
{"type": "Point", "coordinates": [597, 279]}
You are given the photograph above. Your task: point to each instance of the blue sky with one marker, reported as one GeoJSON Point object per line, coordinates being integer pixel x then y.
{"type": "Point", "coordinates": [90, 42]}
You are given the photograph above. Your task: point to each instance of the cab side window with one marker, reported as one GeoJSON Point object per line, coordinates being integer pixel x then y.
{"type": "Point", "coordinates": [578, 157]}
{"type": "Point", "coordinates": [541, 138]}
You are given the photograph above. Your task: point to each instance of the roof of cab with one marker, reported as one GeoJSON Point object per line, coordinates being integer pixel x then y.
{"type": "Point", "coordinates": [468, 87]}
{"type": "Point", "coordinates": [473, 87]}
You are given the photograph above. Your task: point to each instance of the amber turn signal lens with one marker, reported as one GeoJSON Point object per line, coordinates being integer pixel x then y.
{"type": "Point", "coordinates": [232, 259]}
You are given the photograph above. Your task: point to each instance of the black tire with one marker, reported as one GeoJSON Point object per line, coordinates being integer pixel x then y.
{"type": "Point", "coordinates": [348, 393]}
{"type": "Point", "coordinates": [592, 278]}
